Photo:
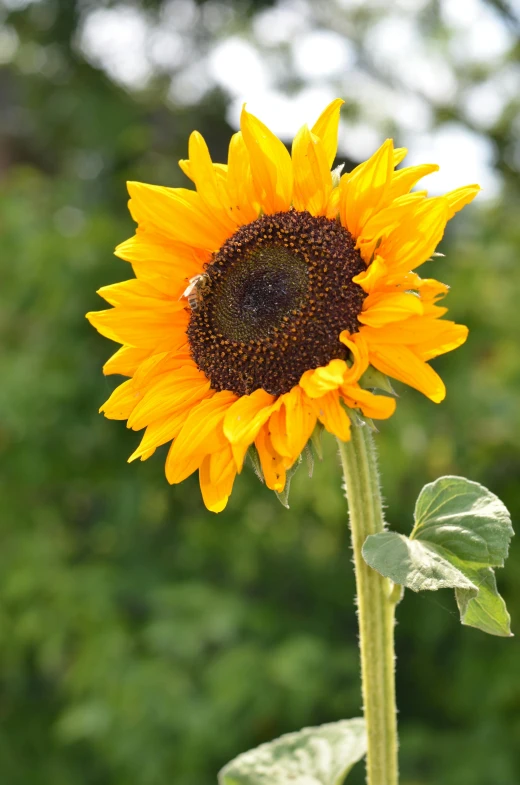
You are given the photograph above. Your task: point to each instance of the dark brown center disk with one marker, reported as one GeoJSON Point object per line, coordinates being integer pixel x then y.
{"type": "Point", "coordinates": [276, 297]}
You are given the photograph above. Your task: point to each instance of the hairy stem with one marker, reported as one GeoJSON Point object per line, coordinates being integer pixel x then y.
{"type": "Point", "coordinates": [376, 608]}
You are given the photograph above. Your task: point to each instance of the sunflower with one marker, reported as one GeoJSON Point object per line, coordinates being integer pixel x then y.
{"type": "Point", "coordinates": [261, 298]}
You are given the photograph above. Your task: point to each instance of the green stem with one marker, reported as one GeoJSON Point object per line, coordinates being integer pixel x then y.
{"type": "Point", "coordinates": [376, 608]}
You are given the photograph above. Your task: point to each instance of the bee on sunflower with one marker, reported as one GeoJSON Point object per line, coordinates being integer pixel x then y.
{"type": "Point", "coordinates": [261, 298]}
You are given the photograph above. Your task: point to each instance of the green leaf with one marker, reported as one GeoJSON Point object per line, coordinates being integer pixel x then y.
{"type": "Point", "coordinates": [461, 531]}
{"type": "Point", "coordinates": [464, 518]}
{"type": "Point", "coordinates": [487, 610]}
{"type": "Point", "coordinates": [416, 565]}
{"type": "Point", "coordinates": [312, 756]}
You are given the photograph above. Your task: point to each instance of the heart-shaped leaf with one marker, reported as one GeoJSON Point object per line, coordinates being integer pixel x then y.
{"type": "Point", "coordinates": [417, 565]}
{"type": "Point", "coordinates": [465, 519]}
{"type": "Point", "coordinates": [461, 531]}
{"type": "Point", "coordinates": [311, 756]}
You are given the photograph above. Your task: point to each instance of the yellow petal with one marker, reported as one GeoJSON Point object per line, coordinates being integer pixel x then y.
{"type": "Point", "coordinates": [404, 179]}
{"type": "Point", "coordinates": [216, 476]}
{"type": "Point", "coordinates": [125, 361]}
{"type": "Point", "coordinates": [362, 193]}
{"type": "Point", "coordinates": [188, 169]}
{"type": "Point", "coordinates": [410, 332]}
{"type": "Point", "coordinates": [326, 128]}
{"type": "Point", "coordinates": [278, 431]}
{"type": "Point", "coordinates": [320, 380]}
{"type": "Point", "coordinates": [239, 452]}
{"type": "Point", "coordinates": [358, 348]}
{"type": "Point", "coordinates": [144, 328]}
{"type": "Point", "coordinates": [159, 432]}
{"type": "Point", "coordinates": [402, 364]}
{"type": "Point", "coordinates": [143, 373]}
{"type": "Point", "coordinates": [300, 420]}
{"type": "Point", "coordinates": [291, 425]}
{"type": "Point", "coordinates": [332, 210]}
{"type": "Point", "coordinates": [384, 222]}
{"type": "Point", "coordinates": [147, 454]}
{"type": "Point", "coordinates": [200, 435]}
{"type": "Point", "coordinates": [446, 340]}
{"type": "Point", "coordinates": [378, 407]}
{"type": "Point", "coordinates": [381, 309]}
{"type": "Point", "coordinates": [273, 464]}
{"type": "Point", "coordinates": [415, 239]}
{"type": "Point", "coordinates": [271, 164]}
{"type": "Point", "coordinates": [177, 213]}
{"type": "Point", "coordinates": [122, 402]}
{"type": "Point", "coordinates": [222, 464]}
{"type": "Point", "coordinates": [312, 177]}
{"type": "Point", "coordinates": [460, 197]}
{"type": "Point", "coordinates": [247, 415]}
{"type": "Point", "coordinates": [399, 154]}
{"type": "Point", "coordinates": [170, 287]}
{"type": "Point", "coordinates": [185, 167]}
{"type": "Point", "coordinates": [153, 254]}
{"type": "Point", "coordinates": [430, 289]}
{"type": "Point", "coordinates": [370, 278]}
{"type": "Point", "coordinates": [158, 364]}
{"type": "Point", "coordinates": [210, 187]}
{"type": "Point", "coordinates": [168, 393]}
{"type": "Point", "coordinates": [137, 294]}
{"type": "Point", "coordinates": [240, 184]}
{"type": "Point", "coordinates": [183, 467]}
{"type": "Point", "coordinates": [332, 415]}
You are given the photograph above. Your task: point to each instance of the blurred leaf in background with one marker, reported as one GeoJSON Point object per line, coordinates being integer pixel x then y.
{"type": "Point", "coordinates": [143, 640]}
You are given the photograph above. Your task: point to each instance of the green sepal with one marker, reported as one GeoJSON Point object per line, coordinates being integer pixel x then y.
{"type": "Point", "coordinates": [309, 455]}
{"type": "Point", "coordinates": [254, 459]}
{"type": "Point", "coordinates": [462, 531]}
{"type": "Point", "coordinates": [354, 415]}
{"type": "Point", "coordinates": [314, 756]}
{"type": "Point", "coordinates": [373, 379]}
{"type": "Point", "coordinates": [283, 496]}
{"type": "Point", "coordinates": [358, 419]}
{"type": "Point", "coordinates": [316, 440]}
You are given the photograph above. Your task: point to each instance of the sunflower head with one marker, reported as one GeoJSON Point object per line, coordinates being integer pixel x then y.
{"type": "Point", "coordinates": [279, 294]}
{"type": "Point", "coordinates": [262, 298]}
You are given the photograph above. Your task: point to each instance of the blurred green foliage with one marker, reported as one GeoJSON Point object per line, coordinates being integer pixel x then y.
{"type": "Point", "coordinates": [142, 639]}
